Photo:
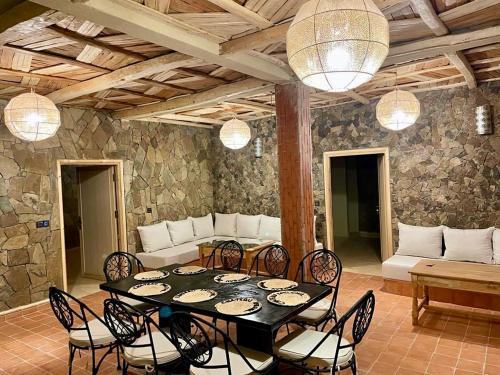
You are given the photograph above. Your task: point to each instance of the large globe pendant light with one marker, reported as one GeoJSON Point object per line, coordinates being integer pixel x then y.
{"type": "Point", "coordinates": [337, 45]}
{"type": "Point", "coordinates": [235, 134]}
{"type": "Point", "coordinates": [398, 110]}
{"type": "Point", "coordinates": [32, 117]}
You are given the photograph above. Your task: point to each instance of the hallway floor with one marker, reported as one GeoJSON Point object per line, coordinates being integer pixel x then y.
{"type": "Point", "coordinates": [359, 254]}
{"type": "Point", "coordinates": [78, 285]}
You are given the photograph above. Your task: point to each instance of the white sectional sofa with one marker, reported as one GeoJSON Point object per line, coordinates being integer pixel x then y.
{"type": "Point", "coordinates": [417, 243]}
{"type": "Point", "coordinates": [172, 242]}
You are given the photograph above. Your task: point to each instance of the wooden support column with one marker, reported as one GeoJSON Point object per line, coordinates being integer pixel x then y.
{"type": "Point", "coordinates": [293, 118]}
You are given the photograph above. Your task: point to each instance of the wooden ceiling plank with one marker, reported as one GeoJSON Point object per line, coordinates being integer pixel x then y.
{"type": "Point", "coordinates": [255, 40]}
{"type": "Point", "coordinates": [147, 24]}
{"type": "Point", "coordinates": [119, 76]}
{"type": "Point", "coordinates": [244, 13]}
{"type": "Point", "coordinates": [426, 11]}
{"type": "Point", "coordinates": [175, 122]}
{"type": "Point", "coordinates": [220, 93]}
{"type": "Point", "coordinates": [460, 61]}
{"type": "Point", "coordinates": [205, 120]}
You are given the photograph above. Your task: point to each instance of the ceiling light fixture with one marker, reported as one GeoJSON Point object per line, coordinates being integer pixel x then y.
{"type": "Point", "coordinates": [235, 134]}
{"type": "Point", "coordinates": [337, 45]}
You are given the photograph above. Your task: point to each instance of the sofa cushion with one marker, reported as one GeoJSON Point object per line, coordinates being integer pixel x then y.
{"type": "Point", "coordinates": [397, 267]}
{"type": "Point", "coordinates": [496, 246]}
{"type": "Point", "coordinates": [247, 225]}
{"type": "Point", "coordinates": [203, 226]}
{"type": "Point", "coordinates": [270, 228]}
{"type": "Point", "coordinates": [418, 241]}
{"type": "Point", "coordinates": [181, 231]}
{"type": "Point", "coordinates": [225, 224]}
{"type": "Point", "coordinates": [471, 245]}
{"type": "Point", "coordinates": [155, 237]}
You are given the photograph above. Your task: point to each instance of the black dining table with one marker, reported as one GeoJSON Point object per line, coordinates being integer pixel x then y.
{"type": "Point", "coordinates": [255, 331]}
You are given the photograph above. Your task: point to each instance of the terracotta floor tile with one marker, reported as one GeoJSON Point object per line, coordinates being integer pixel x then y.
{"type": "Point", "coordinates": [442, 345]}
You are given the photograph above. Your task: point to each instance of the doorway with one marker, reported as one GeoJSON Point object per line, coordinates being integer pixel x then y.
{"type": "Point", "coordinates": [92, 221]}
{"type": "Point", "coordinates": [358, 208]}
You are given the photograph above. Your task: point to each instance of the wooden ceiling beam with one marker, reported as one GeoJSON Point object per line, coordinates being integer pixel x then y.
{"type": "Point", "coordinates": [255, 40]}
{"type": "Point", "coordinates": [240, 11]}
{"type": "Point", "coordinates": [196, 119]}
{"type": "Point", "coordinates": [218, 94]}
{"type": "Point", "coordinates": [442, 44]}
{"type": "Point", "coordinates": [428, 14]}
{"type": "Point", "coordinates": [139, 21]}
{"type": "Point", "coordinates": [20, 11]}
{"type": "Point", "coordinates": [359, 98]}
{"type": "Point", "coordinates": [459, 60]}
{"type": "Point", "coordinates": [175, 122]}
{"type": "Point", "coordinates": [126, 74]}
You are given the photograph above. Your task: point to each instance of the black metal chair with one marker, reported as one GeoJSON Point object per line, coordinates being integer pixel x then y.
{"type": "Point", "coordinates": [145, 346]}
{"type": "Point", "coordinates": [325, 268]}
{"type": "Point", "coordinates": [86, 330]}
{"type": "Point", "coordinates": [275, 259]}
{"type": "Point", "coordinates": [191, 336]}
{"type": "Point", "coordinates": [230, 254]}
{"type": "Point", "coordinates": [119, 265]}
{"type": "Point", "coordinates": [316, 352]}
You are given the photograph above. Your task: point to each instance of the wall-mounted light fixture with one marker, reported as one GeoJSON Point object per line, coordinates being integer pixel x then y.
{"type": "Point", "coordinates": [484, 125]}
{"type": "Point", "coordinates": [258, 147]}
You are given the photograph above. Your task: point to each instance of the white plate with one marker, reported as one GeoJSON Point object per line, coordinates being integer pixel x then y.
{"type": "Point", "coordinates": [189, 270]}
{"type": "Point", "coordinates": [151, 275]}
{"type": "Point", "coordinates": [277, 284]}
{"type": "Point", "coordinates": [238, 306]}
{"type": "Point", "coordinates": [195, 295]}
{"type": "Point", "coordinates": [149, 289]}
{"type": "Point", "coordinates": [230, 278]}
{"type": "Point", "coordinates": [288, 298]}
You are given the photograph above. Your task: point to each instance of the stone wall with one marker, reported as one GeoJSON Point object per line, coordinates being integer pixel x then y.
{"type": "Point", "coordinates": [442, 172]}
{"type": "Point", "coordinates": [167, 168]}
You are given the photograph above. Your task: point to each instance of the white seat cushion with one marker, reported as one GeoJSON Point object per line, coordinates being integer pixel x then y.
{"type": "Point", "coordinates": [155, 237]}
{"type": "Point", "coordinates": [258, 360]}
{"type": "Point", "coordinates": [470, 245]}
{"type": "Point", "coordinates": [496, 246]}
{"type": "Point", "coordinates": [181, 231]}
{"type": "Point", "coordinates": [301, 341]}
{"type": "Point", "coordinates": [180, 254]}
{"type": "Point", "coordinates": [101, 335]}
{"type": "Point", "coordinates": [418, 241]}
{"type": "Point", "coordinates": [270, 228]}
{"type": "Point", "coordinates": [165, 351]}
{"type": "Point", "coordinates": [397, 267]}
{"type": "Point", "coordinates": [225, 224]}
{"type": "Point", "coordinates": [247, 225]}
{"type": "Point", "coordinates": [203, 226]}
{"type": "Point", "coordinates": [316, 312]}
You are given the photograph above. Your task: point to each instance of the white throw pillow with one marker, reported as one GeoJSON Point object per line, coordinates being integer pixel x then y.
{"type": "Point", "coordinates": [496, 246]}
{"type": "Point", "coordinates": [426, 242]}
{"type": "Point", "coordinates": [471, 245]}
{"type": "Point", "coordinates": [203, 226]}
{"type": "Point", "coordinates": [247, 226]}
{"type": "Point", "coordinates": [270, 228]}
{"type": "Point", "coordinates": [225, 225]}
{"type": "Point", "coordinates": [155, 237]}
{"type": "Point", "coordinates": [181, 231]}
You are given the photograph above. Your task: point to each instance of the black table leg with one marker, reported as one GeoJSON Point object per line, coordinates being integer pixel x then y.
{"type": "Point", "coordinates": [255, 338]}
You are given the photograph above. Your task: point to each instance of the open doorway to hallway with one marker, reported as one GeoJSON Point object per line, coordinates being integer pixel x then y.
{"type": "Point", "coordinates": [90, 223]}
{"type": "Point", "coordinates": [358, 209]}
{"type": "Point", "coordinates": [355, 199]}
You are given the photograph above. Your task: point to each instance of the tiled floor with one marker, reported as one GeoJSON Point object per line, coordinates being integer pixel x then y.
{"type": "Point", "coordinates": [33, 342]}
{"type": "Point", "coordinates": [359, 254]}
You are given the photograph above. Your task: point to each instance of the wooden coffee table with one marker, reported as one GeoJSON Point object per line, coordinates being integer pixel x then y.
{"type": "Point", "coordinates": [249, 250]}
{"type": "Point", "coordinates": [472, 277]}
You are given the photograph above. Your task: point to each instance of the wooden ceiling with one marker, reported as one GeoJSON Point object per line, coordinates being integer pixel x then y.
{"type": "Point", "coordinates": [200, 62]}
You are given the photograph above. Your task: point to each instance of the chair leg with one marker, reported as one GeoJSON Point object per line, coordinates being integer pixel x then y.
{"type": "Point", "coordinates": [94, 368]}
{"type": "Point", "coordinates": [124, 368]}
{"type": "Point", "coordinates": [118, 365]}
{"type": "Point", "coordinates": [72, 351]}
{"type": "Point", "coordinates": [354, 368]}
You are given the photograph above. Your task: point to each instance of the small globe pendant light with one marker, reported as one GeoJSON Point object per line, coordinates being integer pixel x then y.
{"type": "Point", "coordinates": [337, 45]}
{"type": "Point", "coordinates": [235, 134]}
{"type": "Point", "coordinates": [32, 117]}
{"type": "Point", "coordinates": [398, 110]}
